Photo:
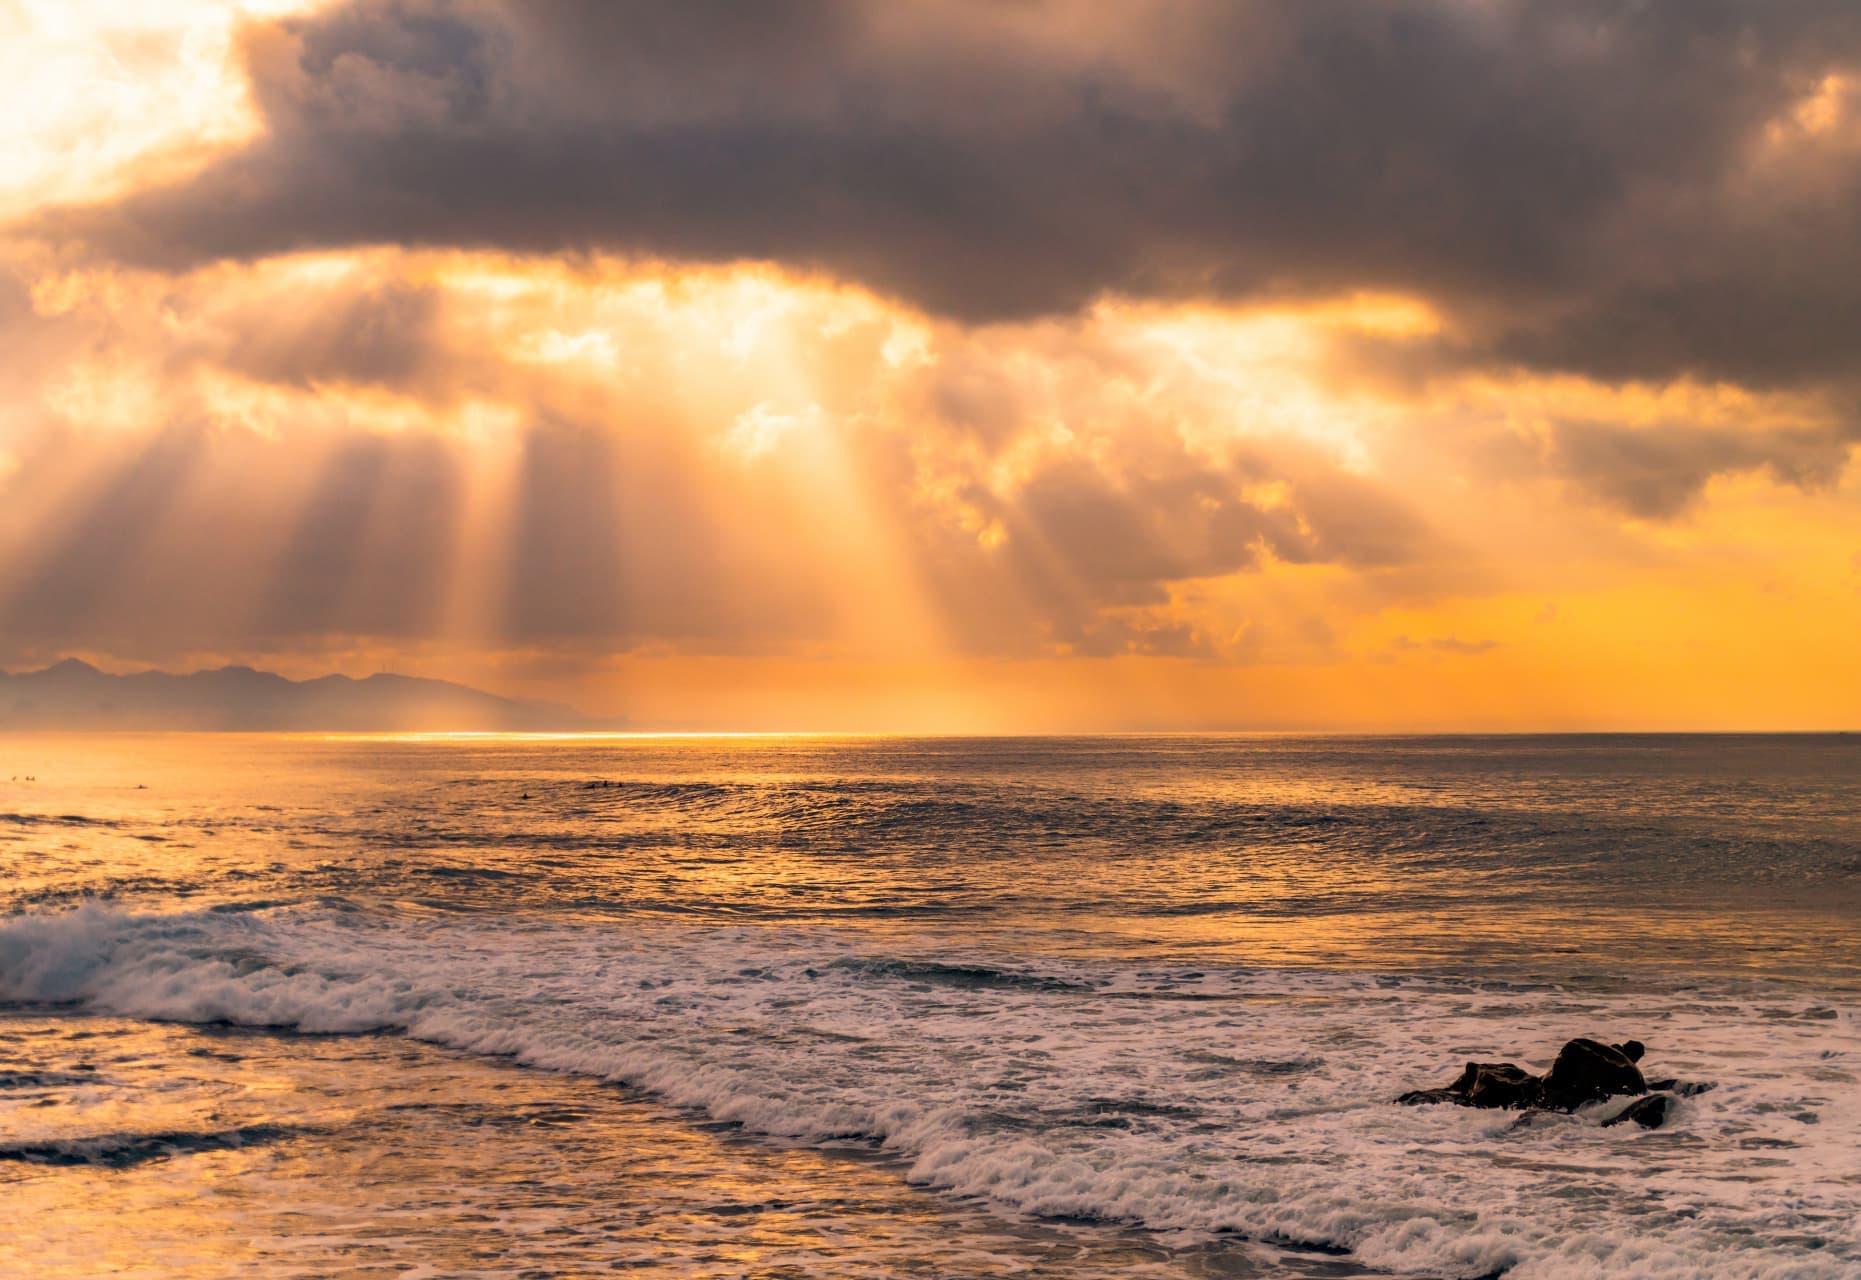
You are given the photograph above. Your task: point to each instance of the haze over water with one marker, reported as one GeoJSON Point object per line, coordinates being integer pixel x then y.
{"type": "Point", "coordinates": [810, 1006]}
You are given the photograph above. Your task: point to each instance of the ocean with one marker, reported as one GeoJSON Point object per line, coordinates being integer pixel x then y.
{"type": "Point", "coordinates": [790, 1006]}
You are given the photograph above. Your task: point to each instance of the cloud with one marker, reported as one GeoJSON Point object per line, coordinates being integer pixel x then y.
{"type": "Point", "coordinates": [1098, 545]}
{"type": "Point", "coordinates": [394, 448]}
{"type": "Point", "coordinates": [380, 333]}
{"type": "Point", "coordinates": [1652, 191]}
{"type": "Point", "coordinates": [834, 339]}
{"type": "Point", "coordinates": [377, 450]}
{"type": "Point", "coordinates": [1444, 644]}
{"type": "Point", "coordinates": [1657, 472]}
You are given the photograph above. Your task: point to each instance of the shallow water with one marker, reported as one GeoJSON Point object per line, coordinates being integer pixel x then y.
{"type": "Point", "coordinates": [843, 1007]}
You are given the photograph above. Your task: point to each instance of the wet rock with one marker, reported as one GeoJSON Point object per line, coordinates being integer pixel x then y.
{"type": "Point", "coordinates": [1680, 1088]}
{"type": "Point", "coordinates": [1590, 1071]}
{"type": "Point", "coordinates": [1498, 1084]}
{"type": "Point", "coordinates": [1529, 1119]}
{"type": "Point", "coordinates": [1650, 1112]}
{"type": "Point", "coordinates": [1422, 1097]}
{"type": "Point", "coordinates": [1584, 1071]}
{"type": "Point", "coordinates": [1484, 1084]}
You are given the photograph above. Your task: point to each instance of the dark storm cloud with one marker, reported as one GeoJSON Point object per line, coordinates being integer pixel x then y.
{"type": "Point", "coordinates": [1595, 173]}
{"type": "Point", "coordinates": [1656, 473]}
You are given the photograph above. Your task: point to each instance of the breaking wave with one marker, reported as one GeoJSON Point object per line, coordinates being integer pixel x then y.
{"type": "Point", "coordinates": [1046, 1089]}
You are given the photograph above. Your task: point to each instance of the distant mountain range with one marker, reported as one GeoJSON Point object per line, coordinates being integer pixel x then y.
{"type": "Point", "coordinates": [76, 695]}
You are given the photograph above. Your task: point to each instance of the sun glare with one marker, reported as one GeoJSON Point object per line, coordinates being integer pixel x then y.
{"type": "Point", "coordinates": [101, 93]}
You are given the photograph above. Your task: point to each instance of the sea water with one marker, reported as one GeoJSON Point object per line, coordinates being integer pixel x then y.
{"type": "Point", "coordinates": [292, 1006]}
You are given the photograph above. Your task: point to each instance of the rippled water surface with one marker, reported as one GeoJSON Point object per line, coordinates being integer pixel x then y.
{"type": "Point", "coordinates": [288, 1006]}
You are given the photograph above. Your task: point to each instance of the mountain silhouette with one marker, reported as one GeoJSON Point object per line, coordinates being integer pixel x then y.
{"type": "Point", "coordinates": [76, 695]}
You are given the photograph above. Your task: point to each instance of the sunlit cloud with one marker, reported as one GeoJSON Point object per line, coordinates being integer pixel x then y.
{"type": "Point", "coordinates": [333, 342]}
{"type": "Point", "coordinates": [100, 95]}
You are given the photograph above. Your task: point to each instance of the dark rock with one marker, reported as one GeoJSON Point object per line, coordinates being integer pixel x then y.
{"type": "Point", "coordinates": [1585, 1071]}
{"type": "Point", "coordinates": [1590, 1071]}
{"type": "Point", "coordinates": [1483, 1084]}
{"type": "Point", "coordinates": [1650, 1112]}
{"type": "Point", "coordinates": [1419, 1097]}
{"type": "Point", "coordinates": [1499, 1084]}
{"type": "Point", "coordinates": [1683, 1088]}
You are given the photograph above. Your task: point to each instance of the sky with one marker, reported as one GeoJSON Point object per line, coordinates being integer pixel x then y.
{"type": "Point", "coordinates": [959, 367]}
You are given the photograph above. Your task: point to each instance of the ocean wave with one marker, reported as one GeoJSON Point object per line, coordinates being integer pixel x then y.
{"type": "Point", "coordinates": [54, 820]}
{"type": "Point", "coordinates": [123, 1150]}
{"type": "Point", "coordinates": [968, 977]}
{"type": "Point", "coordinates": [28, 1078]}
{"type": "Point", "coordinates": [1264, 1112]}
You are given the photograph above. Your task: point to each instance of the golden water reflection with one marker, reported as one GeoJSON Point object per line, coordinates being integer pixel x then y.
{"type": "Point", "coordinates": [1506, 857]}
{"type": "Point", "coordinates": [377, 1155]}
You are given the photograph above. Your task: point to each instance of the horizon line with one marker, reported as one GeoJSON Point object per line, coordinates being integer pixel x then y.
{"type": "Point", "coordinates": [470, 735]}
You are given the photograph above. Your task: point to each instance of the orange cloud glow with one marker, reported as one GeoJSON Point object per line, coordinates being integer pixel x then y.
{"type": "Point", "coordinates": [756, 491]}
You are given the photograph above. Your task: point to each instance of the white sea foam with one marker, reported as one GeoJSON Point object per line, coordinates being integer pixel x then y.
{"type": "Point", "coordinates": [1228, 1100]}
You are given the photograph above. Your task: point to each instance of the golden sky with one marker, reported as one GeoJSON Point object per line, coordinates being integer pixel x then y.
{"type": "Point", "coordinates": [957, 367]}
